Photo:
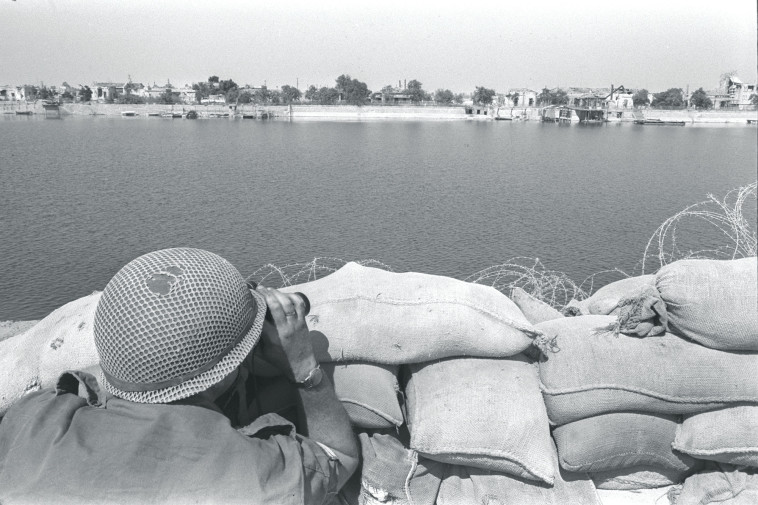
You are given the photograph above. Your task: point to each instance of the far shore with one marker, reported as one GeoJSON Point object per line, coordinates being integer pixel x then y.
{"type": "Point", "coordinates": [366, 112]}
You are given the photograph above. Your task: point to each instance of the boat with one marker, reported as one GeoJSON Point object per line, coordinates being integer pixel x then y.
{"type": "Point", "coordinates": [128, 113]}
{"type": "Point", "coordinates": [23, 113]}
{"type": "Point", "coordinates": [659, 122]}
{"type": "Point", "coordinates": [153, 114]}
{"type": "Point", "coordinates": [498, 118]}
{"type": "Point", "coordinates": [172, 115]}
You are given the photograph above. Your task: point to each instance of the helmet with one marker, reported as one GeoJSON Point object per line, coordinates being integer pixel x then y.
{"type": "Point", "coordinates": [173, 323]}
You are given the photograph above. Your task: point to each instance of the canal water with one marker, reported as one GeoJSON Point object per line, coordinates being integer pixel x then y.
{"type": "Point", "coordinates": [82, 196]}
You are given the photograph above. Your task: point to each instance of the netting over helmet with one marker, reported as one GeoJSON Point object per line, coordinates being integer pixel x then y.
{"type": "Point", "coordinates": [174, 322]}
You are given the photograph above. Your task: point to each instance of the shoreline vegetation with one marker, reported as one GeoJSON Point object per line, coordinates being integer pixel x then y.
{"type": "Point", "coordinates": [364, 112]}
{"type": "Point", "coordinates": [730, 215]}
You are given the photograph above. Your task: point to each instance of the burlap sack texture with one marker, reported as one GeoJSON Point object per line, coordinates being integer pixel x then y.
{"type": "Point", "coordinates": [479, 412]}
{"type": "Point", "coordinates": [367, 314]}
{"type": "Point", "coordinates": [605, 300]}
{"type": "Point", "coordinates": [61, 341]}
{"type": "Point", "coordinates": [639, 477]}
{"type": "Point", "coordinates": [713, 302]}
{"type": "Point", "coordinates": [727, 435]}
{"type": "Point", "coordinates": [9, 329]}
{"type": "Point", "coordinates": [721, 484]}
{"type": "Point", "coordinates": [597, 372]}
{"type": "Point", "coordinates": [369, 393]}
{"type": "Point", "coordinates": [535, 310]}
{"type": "Point", "coordinates": [465, 485]}
{"type": "Point", "coordinates": [619, 441]}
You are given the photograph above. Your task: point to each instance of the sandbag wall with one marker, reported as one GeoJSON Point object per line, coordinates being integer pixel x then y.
{"type": "Point", "coordinates": [604, 409]}
{"type": "Point", "coordinates": [651, 381]}
{"type": "Point", "coordinates": [656, 380]}
{"type": "Point", "coordinates": [474, 425]}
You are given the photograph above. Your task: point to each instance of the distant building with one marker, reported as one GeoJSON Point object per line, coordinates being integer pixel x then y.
{"type": "Point", "coordinates": [12, 93]}
{"type": "Point", "coordinates": [107, 91]}
{"type": "Point", "coordinates": [520, 97]}
{"type": "Point", "coordinates": [620, 98]}
{"type": "Point", "coordinates": [154, 92]}
{"type": "Point", "coordinates": [187, 95]}
{"type": "Point", "coordinates": [733, 94]}
{"type": "Point", "coordinates": [740, 92]}
{"type": "Point", "coordinates": [588, 98]}
{"type": "Point", "coordinates": [394, 97]}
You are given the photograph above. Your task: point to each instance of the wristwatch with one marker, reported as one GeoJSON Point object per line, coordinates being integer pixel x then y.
{"type": "Point", "coordinates": [312, 380]}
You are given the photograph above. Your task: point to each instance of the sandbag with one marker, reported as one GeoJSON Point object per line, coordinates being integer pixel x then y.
{"type": "Point", "coordinates": [369, 393]}
{"type": "Point", "coordinates": [535, 311]}
{"type": "Point", "coordinates": [620, 440]}
{"type": "Point", "coordinates": [368, 314]}
{"type": "Point", "coordinates": [35, 358]}
{"type": "Point", "coordinates": [10, 329]}
{"type": "Point", "coordinates": [713, 302]}
{"type": "Point", "coordinates": [721, 484]}
{"type": "Point", "coordinates": [469, 486]}
{"type": "Point", "coordinates": [656, 496]}
{"type": "Point", "coordinates": [596, 372]}
{"type": "Point", "coordinates": [727, 435]}
{"type": "Point", "coordinates": [639, 477]}
{"type": "Point", "coordinates": [605, 300]}
{"type": "Point", "coordinates": [392, 474]}
{"type": "Point", "coordinates": [484, 413]}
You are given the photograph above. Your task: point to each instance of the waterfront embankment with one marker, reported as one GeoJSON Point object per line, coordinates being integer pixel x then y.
{"type": "Point", "coordinates": [370, 112]}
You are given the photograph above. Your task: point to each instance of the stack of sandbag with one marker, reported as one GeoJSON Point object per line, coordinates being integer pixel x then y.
{"type": "Point", "coordinates": [485, 419]}
{"type": "Point", "coordinates": [645, 407]}
{"type": "Point", "coordinates": [62, 341]}
{"type": "Point", "coordinates": [365, 322]}
{"type": "Point", "coordinates": [471, 397]}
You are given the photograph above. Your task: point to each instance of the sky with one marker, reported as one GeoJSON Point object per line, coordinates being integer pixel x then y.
{"type": "Point", "coordinates": [639, 44]}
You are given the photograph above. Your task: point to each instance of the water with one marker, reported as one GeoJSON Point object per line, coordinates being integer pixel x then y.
{"type": "Point", "coordinates": [83, 196]}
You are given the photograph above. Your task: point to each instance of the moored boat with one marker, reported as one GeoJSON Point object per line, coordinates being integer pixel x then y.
{"type": "Point", "coordinates": [128, 113]}
{"type": "Point", "coordinates": [658, 122]}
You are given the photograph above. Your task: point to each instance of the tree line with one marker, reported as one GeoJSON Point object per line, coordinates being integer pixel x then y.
{"type": "Point", "coordinates": [352, 91]}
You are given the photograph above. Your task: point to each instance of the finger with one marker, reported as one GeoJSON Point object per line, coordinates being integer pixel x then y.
{"type": "Point", "coordinates": [287, 304]}
{"type": "Point", "coordinates": [275, 312]}
{"type": "Point", "coordinates": [299, 304]}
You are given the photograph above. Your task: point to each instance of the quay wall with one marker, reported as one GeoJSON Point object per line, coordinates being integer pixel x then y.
{"type": "Point", "coordinates": [702, 116]}
{"type": "Point", "coordinates": [368, 112]}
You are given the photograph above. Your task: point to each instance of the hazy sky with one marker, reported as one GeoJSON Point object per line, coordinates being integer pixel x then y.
{"type": "Point", "coordinates": [639, 43]}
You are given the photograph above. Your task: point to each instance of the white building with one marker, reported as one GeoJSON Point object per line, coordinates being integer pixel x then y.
{"type": "Point", "coordinates": [11, 93]}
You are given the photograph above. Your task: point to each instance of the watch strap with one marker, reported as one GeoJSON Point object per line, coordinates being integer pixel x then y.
{"type": "Point", "coordinates": [312, 380]}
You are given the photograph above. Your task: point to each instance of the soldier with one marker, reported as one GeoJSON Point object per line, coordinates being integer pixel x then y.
{"type": "Point", "coordinates": [175, 331]}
